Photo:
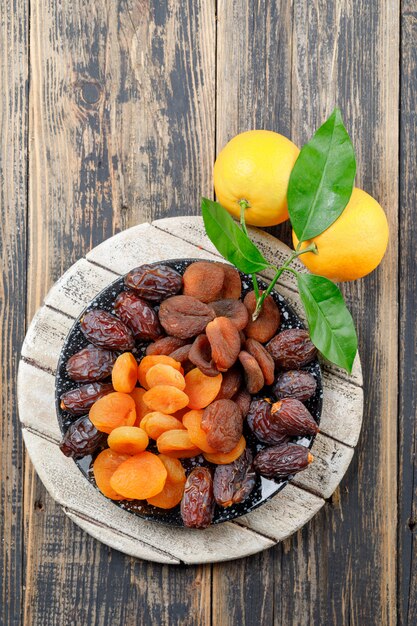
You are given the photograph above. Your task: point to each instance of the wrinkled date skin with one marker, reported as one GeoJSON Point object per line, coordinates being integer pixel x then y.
{"type": "Point", "coordinates": [197, 504]}
{"type": "Point", "coordinates": [200, 356]}
{"type": "Point", "coordinates": [81, 438]}
{"type": "Point", "coordinates": [235, 310]}
{"type": "Point", "coordinates": [184, 316]}
{"type": "Point", "coordinates": [295, 384]}
{"type": "Point", "coordinates": [165, 346]}
{"type": "Point", "coordinates": [154, 282]}
{"type": "Point", "coordinates": [293, 418]}
{"type": "Point", "coordinates": [292, 349]}
{"type": "Point", "coordinates": [203, 280]}
{"type": "Point", "coordinates": [263, 358]}
{"type": "Point", "coordinates": [79, 400]}
{"type": "Point", "coordinates": [90, 364]}
{"type": "Point", "coordinates": [222, 421]}
{"type": "Point", "coordinates": [234, 482]}
{"type": "Point", "coordinates": [253, 374]}
{"type": "Point", "coordinates": [262, 424]}
{"type": "Point", "coordinates": [104, 330]}
{"type": "Point", "coordinates": [136, 313]}
{"type": "Point", "coordinates": [224, 340]}
{"type": "Point", "coordinates": [268, 321]}
{"type": "Point", "coordinates": [281, 461]}
{"type": "Point", "coordinates": [243, 400]}
{"type": "Point", "coordinates": [231, 383]}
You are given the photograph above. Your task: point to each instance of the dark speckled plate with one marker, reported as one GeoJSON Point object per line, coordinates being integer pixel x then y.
{"type": "Point", "coordinates": [264, 489]}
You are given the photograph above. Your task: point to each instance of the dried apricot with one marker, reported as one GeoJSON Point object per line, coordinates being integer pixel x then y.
{"type": "Point", "coordinates": [104, 466]}
{"type": "Point", "coordinates": [253, 373]}
{"type": "Point", "coordinates": [232, 286]}
{"type": "Point", "coordinates": [232, 380]}
{"type": "Point", "coordinates": [124, 374]}
{"type": "Point", "coordinates": [149, 361]}
{"type": "Point", "coordinates": [166, 399]}
{"type": "Point", "coordinates": [201, 389]}
{"type": "Point", "coordinates": [222, 421]}
{"type": "Point", "coordinates": [176, 472]}
{"type": "Point", "coordinates": [234, 310]}
{"type": "Point", "coordinates": [184, 316]}
{"type": "Point", "coordinates": [192, 422]}
{"type": "Point", "coordinates": [263, 358]}
{"type": "Point", "coordinates": [200, 356]}
{"type": "Point", "coordinates": [128, 440]}
{"type": "Point", "coordinates": [140, 477]}
{"type": "Point", "coordinates": [161, 374]}
{"type": "Point", "coordinates": [141, 408]}
{"type": "Point", "coordinates": [221, 458]}
{"type": "Point", "coordinates": [165, 345]}
{"type": "Point", "coordinates": [177, 443]}
{"type": "Point", "coordinates": [268, 321]}
{"type": "Point", "coordinates": [224, 340]}
{"type": "Point", "coordinates": [170, 496]}
{"type": "Point", "coordinates": [115, 409]}
{"type": "Point", "coordinates": [203, 280]}
{"type": "Point", "coordinates": [156, 423]}
{"type": "Point", "coordinates": [243, 400]}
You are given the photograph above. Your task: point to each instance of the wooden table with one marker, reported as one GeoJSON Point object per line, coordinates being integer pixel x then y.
{"type": "Point", "coordinates": [111, 113]}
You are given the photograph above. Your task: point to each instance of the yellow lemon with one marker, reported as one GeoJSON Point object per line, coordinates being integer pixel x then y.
{"type": "Point", "coordinates": [255, 166]}
{"type": "Point", "coordinates": [354, 244]}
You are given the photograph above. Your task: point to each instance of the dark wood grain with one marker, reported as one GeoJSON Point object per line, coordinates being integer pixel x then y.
{"type": "Point", "coordinates": [407, 468]}
{"type": "Point", "coordinates": [13, 195]}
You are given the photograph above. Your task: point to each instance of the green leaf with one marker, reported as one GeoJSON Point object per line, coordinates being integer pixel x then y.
{"type": "Point", "coordinates": [322, 178]}
{"type": "Point", "coordinates": [331, 325]}
{"type": "Point", "coordinates": [232, 243]}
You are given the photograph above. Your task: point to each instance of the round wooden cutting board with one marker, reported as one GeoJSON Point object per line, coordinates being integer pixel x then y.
{"type": "Point", "coordinates": [288, 511]}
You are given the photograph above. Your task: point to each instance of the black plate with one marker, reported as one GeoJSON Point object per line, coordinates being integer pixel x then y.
{"type": "Point", "coordinates": [264, 488]}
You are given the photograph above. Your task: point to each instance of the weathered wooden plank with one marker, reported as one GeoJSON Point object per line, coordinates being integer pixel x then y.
{"type": "Point", "coordinates": [45, 337]}
{"type": "Point", "coordinates": [14, 20]}
{"type": "Point", "coordinates": [407, 466]}
{"type": "Point", "coordinates": [36, 395]}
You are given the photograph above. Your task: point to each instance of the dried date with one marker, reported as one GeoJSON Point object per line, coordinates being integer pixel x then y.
{"type": "Point", "coordinates": [154, 282]}
{"type": "Point", "coordinates": [222, 421]}
{"type": "Point", "coordinates": [136, 313]}
{"type": "Point", "coordinates": [224, 340]}
{"type": "Point", "coordinates": [262, 424]}
{"type": "Point", "coordinates": [200, 355]}
{"type": "Point", "coordinates": [90, 364]}
{"type": "Point", "coordinates": [292, 349]}
{"type": "Point", "coordinates": [293, 418]}
{"type": "Point", "coordinates": [234, 482]}
{"type": "Point", "coordinates": [184, 316]}
{"type": "Point", "coordinates": [105, 330]}
{"type": "Point", "coordinates": [281, 461]}
{"type": "Point", "coordinates": [295, 384]}
{"type": "Point", "coordinates": [81, 438]}
{"type": "Point", "coordinates": [79, 400]}
{"type": "Point", "coordinates": [197, 504]}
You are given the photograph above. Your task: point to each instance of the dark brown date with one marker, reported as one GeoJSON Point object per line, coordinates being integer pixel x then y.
{"type": "Point", "coordinates": [200, 356]}
{"type": "Point", "coordinates": [295, 384]}
{"type": "Point", "coordinates": [262, 424]}
{"type": "Point", "coordinates": [234, 482]}
{"type": "Point", "coordinates": [281, 461]}
{"type": "Point", "coordinates": [184, 316]}
{"type": "Point", "coordinates": [90, 364]}
{"type": "Point", "coordinates": [293, 418]}
{"type": "Point", "coordinates": [154, 282]}
{"type": "Point", "coordinates": [263, 358]}
{"type": "Point", "coordinates": [79, 400]}
{"type": "Point", "coordinates": [292, 349]}
{"type": "Point", "coordinates": [235, 310]}
{"type": "Point", "coordinates": [136, 313]}
{"type": "Point", "coordinates": [243, 400]}
{"type": "Point", "coordinates": [81, 438]}
{"type": "Point", "coordinates": [165, 346]}
{"type": "Point", "coordinates": [105, 330]}
{"type": "Point", "coordinates": [197, 504]}
{"type": "Point", "coordinates": [222, 421]}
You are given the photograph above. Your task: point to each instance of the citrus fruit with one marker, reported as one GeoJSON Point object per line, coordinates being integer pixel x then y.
{"type": "Point", "coordinates": [255, 166]}
{"type": "Point", "coordinates": [354, 244]}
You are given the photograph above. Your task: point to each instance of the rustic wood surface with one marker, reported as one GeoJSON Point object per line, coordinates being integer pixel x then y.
{"type": "Point", "coordinates": [111, 114]}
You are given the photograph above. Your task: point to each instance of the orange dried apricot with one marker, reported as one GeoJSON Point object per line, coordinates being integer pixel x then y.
{"type": "Point", "coordinates": [170, 496]}
{"type": "Point", "coordinates": [201, 389]}
{"type": "Point", "coordinates": [128, 440]}
{"type": "Point", "coordinates": [140, 477]}
{"type": "Point", "coordinates": [104, 466]}
{"type": "Point", "coordinates": [141, 408]}
{"type": "Point", "coordinates": [124, 375]}
{"type": "Point", "coordinates": [115, 409]}
{"type": "Point", "coordinates": [156, 423]}
{"type": "Point", "coordinates": [152, 359]}
{"type": "Point", "coordinates": [222, 458]}
{"type": "Point", "coordinates": [165, 398]}
{"type": "Point", "coordinates": [177, 443]}
{"type": "Point", "coordinates": [192, 422]}
{"type": "Point", "coordinates": [176, 472]}
{"type": "Point", "coordinates": [162, 374]}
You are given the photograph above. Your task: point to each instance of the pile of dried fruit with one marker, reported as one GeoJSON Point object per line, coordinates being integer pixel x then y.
{"type": "Point", "coordinates": [204, 361]}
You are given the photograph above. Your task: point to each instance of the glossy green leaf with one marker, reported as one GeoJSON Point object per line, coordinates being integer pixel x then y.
{"type": "Point", "coordinates": [232, 243]}
{"type": "Point", "coordinates": [331, 325]}
{"type": "Point", "coordinates": [322, 178]}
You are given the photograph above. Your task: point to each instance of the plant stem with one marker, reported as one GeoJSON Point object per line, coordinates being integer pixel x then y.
{"type": "Point", "coordinates": [244, 204]}
{"type": "Point", "coordinates": [259, 301]}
